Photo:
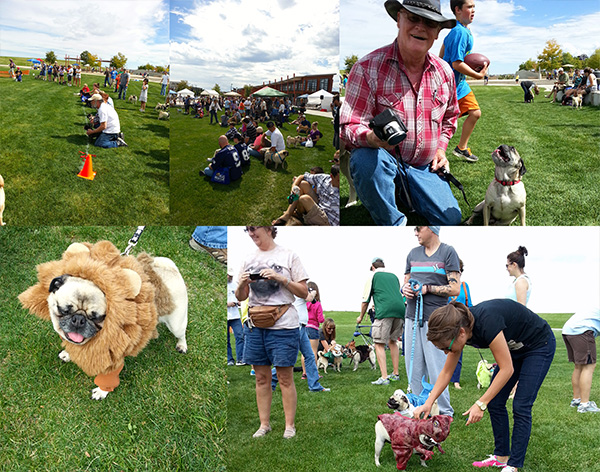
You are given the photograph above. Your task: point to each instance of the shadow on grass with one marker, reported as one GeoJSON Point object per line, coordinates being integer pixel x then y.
{"type": "Point", "coordinates": [77, 139]}
{"type": "Point", "coordinates": [158, 130]}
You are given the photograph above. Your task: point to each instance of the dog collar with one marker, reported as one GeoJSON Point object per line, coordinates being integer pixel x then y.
{"type": "Point", "coordinates": [508, 182]}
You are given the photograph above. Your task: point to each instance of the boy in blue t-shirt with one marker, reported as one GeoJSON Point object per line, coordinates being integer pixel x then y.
{"type": "Point", "coordinates": [457, 44]}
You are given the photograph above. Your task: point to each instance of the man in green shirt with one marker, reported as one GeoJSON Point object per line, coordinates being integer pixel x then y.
{"type": "Point", "coordinates": [384, 288]}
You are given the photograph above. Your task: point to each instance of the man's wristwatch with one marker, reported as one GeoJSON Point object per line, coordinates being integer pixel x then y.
{"type": "Point", "coordinates": [482, 406]}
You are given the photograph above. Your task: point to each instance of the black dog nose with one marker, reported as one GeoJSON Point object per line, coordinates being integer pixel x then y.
{"type": "Point", "coordinates": [78, 321]}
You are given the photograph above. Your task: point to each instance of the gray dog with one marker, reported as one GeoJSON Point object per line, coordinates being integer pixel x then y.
{"type": "Point", "coordinates": [505, 197]}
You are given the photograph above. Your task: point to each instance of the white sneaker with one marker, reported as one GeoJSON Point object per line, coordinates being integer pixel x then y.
{"type": "Point", "coordinates": [381, 381]}
{"type": "Point", "coordinates": [590, 407]}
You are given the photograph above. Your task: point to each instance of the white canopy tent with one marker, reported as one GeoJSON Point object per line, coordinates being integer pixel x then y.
{"type": "Point", "coordinates": [321, 99]}
{"type": "Point", "coordinates": [210, 93]}
{"type": "Point", "coordinates": [185, 93]}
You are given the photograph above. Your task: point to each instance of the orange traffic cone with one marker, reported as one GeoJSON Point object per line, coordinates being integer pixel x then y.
{"type": "Point", "coordinates": [87, 172]}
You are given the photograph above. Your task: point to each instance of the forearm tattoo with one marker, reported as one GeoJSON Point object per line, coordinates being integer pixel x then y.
{"type": "Point", "coordinates": [446, 290]}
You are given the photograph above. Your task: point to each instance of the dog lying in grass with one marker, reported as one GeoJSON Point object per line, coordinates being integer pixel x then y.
{"type": "Point", "coordinates": [133, 98]}
{"type": "Point", "coordinates": [408, 436]}
{"type": "Point", "coordinates": [163, 115]}
{"type": "Point", "coordinates": [277, 158]}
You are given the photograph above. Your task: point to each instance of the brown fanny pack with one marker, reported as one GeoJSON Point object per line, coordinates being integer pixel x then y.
{"type": "Point", "coordinates": [265, 316]}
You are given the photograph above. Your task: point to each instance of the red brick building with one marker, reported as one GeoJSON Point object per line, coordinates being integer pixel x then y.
{"type": "Point", "coordinates": [295, 86]}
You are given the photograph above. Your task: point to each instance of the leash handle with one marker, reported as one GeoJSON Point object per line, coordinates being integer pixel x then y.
{"type": "Point", "coordinates": [134, 240]}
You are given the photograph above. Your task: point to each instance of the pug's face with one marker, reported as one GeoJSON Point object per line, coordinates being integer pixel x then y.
{"type": "Point", "coordinates": [77, 308]}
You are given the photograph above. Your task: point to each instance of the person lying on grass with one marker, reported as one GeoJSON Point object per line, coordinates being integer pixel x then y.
{"type": "Point", "coordinates": [315, 199]}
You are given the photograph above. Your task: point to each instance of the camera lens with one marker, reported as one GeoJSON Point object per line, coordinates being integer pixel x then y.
{"type": "Point", "coordinates": [393, 133]}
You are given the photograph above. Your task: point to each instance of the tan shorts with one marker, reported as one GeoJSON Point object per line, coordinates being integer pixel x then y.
{"type": "Point", "coordinates": [387, 329]}
{"type": "Point", "coordinates": [316, 217]}
{"type": "Point", "coordinates": [581, 348]}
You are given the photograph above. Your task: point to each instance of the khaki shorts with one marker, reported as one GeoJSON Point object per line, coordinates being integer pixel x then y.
{"type": "Point", "coordinates": [581, 348]}
{"type": "Point", "coordinates": [387, 329]}
{"type": "Point", "coordinates": [316, 217]}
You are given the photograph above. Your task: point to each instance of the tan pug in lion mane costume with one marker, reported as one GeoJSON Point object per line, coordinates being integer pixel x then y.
{"type": "Point", "coordinates": [106, 307]}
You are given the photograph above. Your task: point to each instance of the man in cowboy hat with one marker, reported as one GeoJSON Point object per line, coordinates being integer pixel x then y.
{"type": "Point", "coordinates": [420, 88]}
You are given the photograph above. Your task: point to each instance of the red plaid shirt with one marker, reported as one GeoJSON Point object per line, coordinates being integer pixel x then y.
{"type": "Point", "coordinates": [379, 81]}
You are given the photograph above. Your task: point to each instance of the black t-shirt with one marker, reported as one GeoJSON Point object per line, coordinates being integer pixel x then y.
{"type": "Point", "coordinates": [522, 328]}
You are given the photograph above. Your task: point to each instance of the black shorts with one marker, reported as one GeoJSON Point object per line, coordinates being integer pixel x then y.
{"type": "Point", "coordinates": [581, 348]}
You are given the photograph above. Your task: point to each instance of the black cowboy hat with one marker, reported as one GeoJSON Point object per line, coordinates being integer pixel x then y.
{"type": "Point", "coordinates": [429, 9]}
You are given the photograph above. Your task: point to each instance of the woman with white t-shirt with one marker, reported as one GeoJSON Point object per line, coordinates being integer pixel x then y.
{"type": "Point", "coordinates": [270, 278]}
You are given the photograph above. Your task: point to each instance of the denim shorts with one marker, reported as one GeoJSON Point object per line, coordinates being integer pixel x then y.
{"type": "Point", "coordinates": [277, 347]}
{"type": "Point", "coordinates": [313, 333]}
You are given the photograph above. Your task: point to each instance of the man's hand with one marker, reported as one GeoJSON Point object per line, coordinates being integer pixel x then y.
{"type": "Point", "coordinates": [440, 161]}
{"type": "Point", "coordinates": [375, 142]}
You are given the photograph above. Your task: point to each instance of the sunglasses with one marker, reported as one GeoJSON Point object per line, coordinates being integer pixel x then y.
{"type": "Point", "coordinates": [251, 229]}
{"type": "Point", "coordinates": [449, 348]}
{"type": "Point", "coordinates": [416, 19]}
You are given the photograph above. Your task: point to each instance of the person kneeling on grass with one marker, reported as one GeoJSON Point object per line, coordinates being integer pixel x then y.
{"type": "Point", "coordinates": [315, 198]}
{"type": "Point", "coordinates": [109, 131]}
{"type": "Point", "coordinates": [225, 157]}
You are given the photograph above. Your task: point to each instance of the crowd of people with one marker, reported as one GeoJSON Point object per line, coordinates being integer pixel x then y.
{"type": "Point", "coordinates": [432, 312]}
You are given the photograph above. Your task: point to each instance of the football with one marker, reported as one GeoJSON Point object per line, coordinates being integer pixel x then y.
{"type": "Point", "coordinates": [476, 61]}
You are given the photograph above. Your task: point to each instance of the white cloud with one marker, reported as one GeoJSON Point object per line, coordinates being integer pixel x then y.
{"type": "Point", "coordinates": [245, 43]}
{"type": "Point", "coordinates": [138, 29]}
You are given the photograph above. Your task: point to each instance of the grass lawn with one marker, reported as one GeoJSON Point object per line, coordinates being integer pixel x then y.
{"type": "Point", "coordinates": [257, 198]}
{"type": "Point", "coordinates": [41, 136]}
{"type": "Point", "coordinates": [559, 146]}
{"type": "Point", "coordinates": [168, 414]}
{"type": "Point", "coordinates": [336, 429]}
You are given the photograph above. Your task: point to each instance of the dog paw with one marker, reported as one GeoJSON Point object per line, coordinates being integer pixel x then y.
{"type": "Point", "coordinates": [64, 356]}
{"type": "Point", "coordinates": [99, 394]}
{"type": "Point", "coordinates": [181, 347]}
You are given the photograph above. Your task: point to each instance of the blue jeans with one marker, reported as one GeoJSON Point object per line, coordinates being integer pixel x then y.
{"type": "Point", "coordinates": [238, 334]}
{"type": "Point", "coordinates": [105, 140]}
{"type": "Point", "coordinates": [123, 90]}
{"type": "Point", "coordinates": [213, 114]}
{"type": "Point", "coordinates": [530, 369]}
{"type": "Point", "coordinates": [254, 152]}
{"type": "Point", "coordinates": [163, 89]}
{"type": "Point", "coordinates": [312, 373]}
{"type": "Point", "coordinates": [276, 347]}
{"type": "Point", "coordinates": [212, 236]}
{"type": "Point", "coordinates": [375, 173]}
{"type": "Point", "coordinates": [208, 171]}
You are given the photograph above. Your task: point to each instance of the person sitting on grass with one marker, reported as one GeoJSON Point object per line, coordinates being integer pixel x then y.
{"type": "Point", "coordinates": [255, 146]}
{"type": "Point", "coordinates": [303, 124]}
{"type": "Point", "coordinates": [315, 198]}
{"type": "Point", "coordinates": [276, 144]}
{"type": "Point", "coordinates": [109, 130]}
{"type": "Point", "coordinates": [225, 156]}
{"type": "Point", "coordinates": [314, 135]}
{"type": "Point", "coordinates": [19, 75]}
{"type": "Point", "coordinates": [242, 148]}
{"type": "Point", "coordinates": [232, 131]}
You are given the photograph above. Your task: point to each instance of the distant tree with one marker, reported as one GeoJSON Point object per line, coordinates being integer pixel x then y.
{"type": "Point", "coordinates": [349, 62]}
{"type": "Point", "coordinates": [594, 60]}
{"type": "Point", "coordinates": [85, 57]}
{"type": "Point", "coordinates": [529, 64]}
{"type": "Point", "coordinates": [551, 56]}
{"type": "Point", "coordinates": [50, 57]}
{"type": "Point", "coordinates": [146, 67]}
{"type": "Point", "coordinates": [247, 90]}
{"type": "Point", "coordinates": [217, 89]}
{"type": "Point", "coordinates": [93, 61]}
{"type": "Point", "coordinates": [182, 84]}
{"type": "Point", "coordinates": [118, 61]}
{"type": "Point", "coordinates": [160, 69]}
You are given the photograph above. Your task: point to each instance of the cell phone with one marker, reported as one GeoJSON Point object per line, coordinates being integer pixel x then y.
{"type": "Point", "coordinates": [256, 276]}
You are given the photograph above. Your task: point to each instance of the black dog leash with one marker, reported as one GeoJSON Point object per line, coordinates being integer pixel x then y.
{"type": "Point", "coordinates": [448, 177]}
{"type": "Point", "coordinates": [134, 240]}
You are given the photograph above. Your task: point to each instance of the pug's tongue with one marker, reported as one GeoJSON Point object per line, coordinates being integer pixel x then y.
{"type": "Point", "coordinates": [75, 337]}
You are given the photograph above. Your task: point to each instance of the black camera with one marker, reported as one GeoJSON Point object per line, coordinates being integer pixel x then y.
{"type": "Point", "coordinates": [388, 127]}
{"type": "Point", "coordinates": [256, 276]}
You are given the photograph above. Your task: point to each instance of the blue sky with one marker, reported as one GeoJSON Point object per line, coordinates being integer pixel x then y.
{"type": "Point", "coordinates": [138, 29]}
{"type": "Point", "coordinates": [238, 42]}
{"type": "Point", "coordinates": [558, 258]}
{"type": "Point", "coordinates": [508, 32]}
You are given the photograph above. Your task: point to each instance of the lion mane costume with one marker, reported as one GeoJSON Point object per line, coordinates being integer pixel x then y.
{"type": "Point", "coordinates": [128, 284]}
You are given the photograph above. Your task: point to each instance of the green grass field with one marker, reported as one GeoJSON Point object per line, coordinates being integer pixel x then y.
{"type": "Point", "coordinates": [257, 198]}
{"type": "Point", "coordinates": [559, 146]}
{"type": "Point", "coordinates": [168, 414]}
{"type": "Point", "coordinates": [41, 137]}
{"type": "Point", "coordinates": [335, 430]}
